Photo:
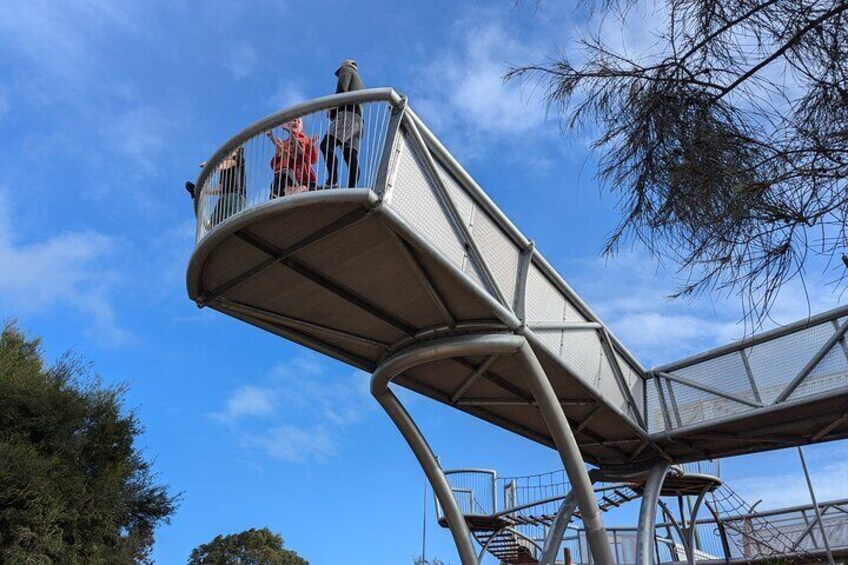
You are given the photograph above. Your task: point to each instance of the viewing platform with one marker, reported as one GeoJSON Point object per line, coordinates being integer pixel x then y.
{"type": "Point", "coordinates": [344, 225]}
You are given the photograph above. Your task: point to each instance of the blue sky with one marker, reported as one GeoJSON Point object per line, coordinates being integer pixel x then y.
{"type": "Point", "coordinates": [106, 107]}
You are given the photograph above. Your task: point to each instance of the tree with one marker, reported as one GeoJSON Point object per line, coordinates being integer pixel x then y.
{"type": "Point", "coordinates": [75, 489]}
{"type": "Point", "coordinates": [421, 561]}
{"type": "Point", "coordinates": [728, 144]}
{"type": "Point", "coordinates": [251, 547]}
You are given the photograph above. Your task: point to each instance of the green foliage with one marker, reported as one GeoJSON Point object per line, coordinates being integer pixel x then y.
{"type": "Point", "coordinates": [73, 487]}
{"type": "Point", "coordinates": [421, 561]}
{"type": "Point", "coordinates": [251, 547]}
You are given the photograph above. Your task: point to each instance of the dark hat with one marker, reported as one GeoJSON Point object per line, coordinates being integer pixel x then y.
{"type": "Point", "coordinates": [347, 63]}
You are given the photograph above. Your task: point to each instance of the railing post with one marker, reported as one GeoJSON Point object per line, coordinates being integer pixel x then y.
{"type": "Point", "coordinates": [692, 530]}
{"type": "Point", "coordinates": [722, 531]}
{"type": "Point", "coordinates": [552, 413]}
{"type": "Point", "coordinates": [383, 178]}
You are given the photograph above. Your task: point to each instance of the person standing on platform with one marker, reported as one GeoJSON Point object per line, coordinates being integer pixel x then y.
{"type": "Point", "coordinates": [345, 129]}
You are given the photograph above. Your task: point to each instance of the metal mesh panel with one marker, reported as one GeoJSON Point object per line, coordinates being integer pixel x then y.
{"type": "Point", "coordinates": [695, 405]}
{"type": "Point", "coordinates": [414, 198]}
{"type": "Point", "coordinates": [831, 373]}
{"type": "Point", "coordinates": [607, 383]}
{"type": "Point", "coordinates": [654, 416]}
{"type": "Point", "coordinates": [550, 338]}
{"type": "Point", "coordinates": [463, 202]}
{"type": "Point", "coordinates": [499, 252]}
{"type": "Point", "coordinates": [582, 351]}
{"type": "Point", "coordinates": [795, 525]}
{"type": "Point", "coordinates": [633, 381]}
{"type": "Point", "coordinates": [775, 363]}
{"type": "Point", "coordinates": [726, 373]}
{"type": "Point", "coordinates": [544, 303]}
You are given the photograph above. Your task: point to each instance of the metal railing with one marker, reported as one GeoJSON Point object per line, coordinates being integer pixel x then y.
{"type": "Point", "coordinates": [435, 198]}
{"type": "Point", "coordinates": [475, 491]}
{"type": "Point", "coordinates": [797, 525]}
{"type": "Point", "coordinates": [328, 143]}
{"type": "Point", "coordinates": [795, 362]}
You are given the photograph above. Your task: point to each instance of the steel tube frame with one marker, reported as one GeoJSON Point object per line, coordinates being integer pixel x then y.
{"type": "Point", "coordinates": [812, 363]}
{"type": "Point", "coordinates": [554, 416]}
{"type": "Point", "coordinates": [708, 389]}
{"type": "Point", "coordinates": [549, 406]}
{"type": "Point", "coordinates": [818, 512]}
{"type": "Point", "coordinates": [441, 154]}
{"type": "Point", "coordinates": [418, 355]}
{"type": "Point", "coordinates": [756, 339]}
{"type": "Point", "coordinates": [404, 423]}
{"type": "Point", "coordinates": [553, 539]}
{"type": "Point", "coordinates": [648, 513]}
{"type": "Point", "coordinates": [463, 231]}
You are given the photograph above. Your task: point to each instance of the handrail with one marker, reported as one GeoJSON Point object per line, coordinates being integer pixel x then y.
{"type": "Point", "coordinates": [385, 94]}
{"type": "Point", "coordinates": [550, 499]}
{"type": "Point", "coordinates": [755, 339]}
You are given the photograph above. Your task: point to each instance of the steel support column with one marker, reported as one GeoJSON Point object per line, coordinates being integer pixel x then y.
{"type": "Point", "coordinates": [648, 514]}
{"type": "Point", "coordinates": [572, 460]}
{"type": "Point", "coordinates": [692, 527]}
{"type": "Point", "coordinates": [434, 473]}
{"type": "Point", "coordinates": [472, 345]}
{"type": "Point", "coordinates": [553, 540]}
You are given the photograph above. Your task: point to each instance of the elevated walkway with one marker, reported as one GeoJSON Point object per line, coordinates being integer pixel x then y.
{"type": "Point", "coordinates": [418, 251]}
{"type": "Point", "coordinates": [402, 266]}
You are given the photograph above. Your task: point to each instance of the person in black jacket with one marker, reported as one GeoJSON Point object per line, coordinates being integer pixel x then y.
{"type": "Point", "coordinates": [345, 129]}
{"type": "Point", "coordinates": [231, 188]}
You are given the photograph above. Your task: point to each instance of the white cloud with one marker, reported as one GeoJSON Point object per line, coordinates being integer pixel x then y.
{"type": "Point", "coordinates": [629, 292]}
{"type": "Point", "coordinates": [286, 95]}
{"type": "Point", "coordinates": [460, 91]}
{"type": "Point", "coordinates": [790, 489]}
{"type": "Point", "coordinates": [138, 134]}
{"type": "Point", "coordinates": [64, 270]}
{"type": "Point", "coordinates": [241, 61]}
{"type": "Point", "coordinates": [299, 413]}
{"type": "Point", "coordinates": [248, 401]}
{"type": "Point", "coordinates": [296, 444]}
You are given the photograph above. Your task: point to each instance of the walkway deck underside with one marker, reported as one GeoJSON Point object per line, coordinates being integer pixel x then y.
{"type": "Point", "coordinates": [361, 288]}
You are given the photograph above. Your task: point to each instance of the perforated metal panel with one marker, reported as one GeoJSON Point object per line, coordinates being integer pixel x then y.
{"type": "Point", "coordinates": [499, 252]}
{"type": "Point", "coordinates": [654, 416]}
{"type": "Point", "coordinates": [694, 406]}
{"type": "Point", "coordinates": [633, 381]}
{"type": "Point", "coordinates": [415, 199]}
{"type": "Point", "coordinates": [608, 384]}
{"type": "Point", "coordinates": [582, 351]}
{"type": "Point", "coordinates": [544, 303]}
{"type": "Point", "coordinates": [460, 197]}
{"type": "Point", "coordinates": [775, 363]}
{"type": "Point", "coordinates": [552, 339]}
{"type": "Point", "coordinates": [726, 373]}
{"type": "Point", "coordinates": [831, 373]}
